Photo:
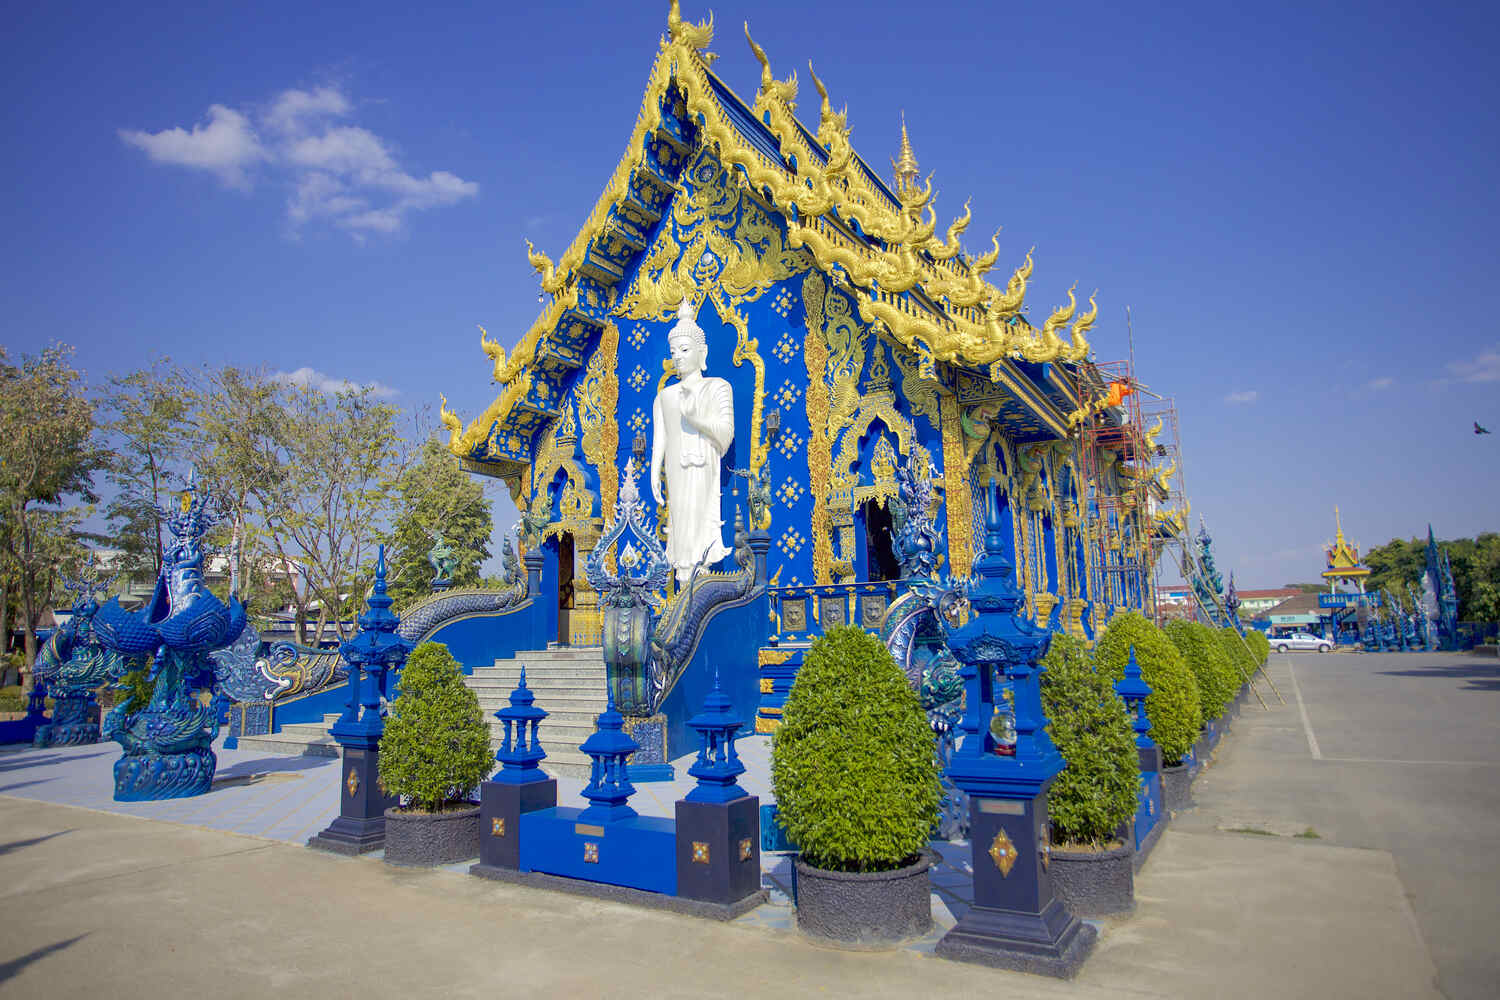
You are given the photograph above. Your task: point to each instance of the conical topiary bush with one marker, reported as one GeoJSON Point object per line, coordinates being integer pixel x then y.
{"type": "Point", "coordinates": [1205, 655]}
{"type": "Point", "coordinates": [854, 765]}
{"type": "Point", "coordinates": [1173, 705]}
{"type": "Point", "coordinates": [1090, 726]}
{"type": "Point", "coordinates": [436, 747]}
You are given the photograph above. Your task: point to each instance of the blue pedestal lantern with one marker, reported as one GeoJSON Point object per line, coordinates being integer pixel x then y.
{"type": "Point", "coordinates": [1150, 812]}
{"type": "Point", "coordinates": [371, 655]}
{"type": "Point", "coordinates": [717, 765]}
{"type": "Point", "coordinates": [519, 787]}
{"type": "Point", "coordinates": [1017, 921]}
{"type": "Point", "coordinates": [520, 758]}
{"type": "Point", "coordinates": [718, 823]}
{"type": "Point", "coordinates": [609, 788]}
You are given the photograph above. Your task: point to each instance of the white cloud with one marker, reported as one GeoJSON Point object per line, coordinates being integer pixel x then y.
{"type": "Point", "coordinates": [226, 145]}
{"type": "Point", "coordinates": [338, 174]}
{"type": "Point", "coordinates": [1484, 368]}
{"type": "Point", "coordinates": [314, 379]}
{"type": "Point", "coordinates": [289, 111]}
{"type": "Point", "coordinates": [1243, 396]}
{"type": "Point", "coordinates": [1384, 382]}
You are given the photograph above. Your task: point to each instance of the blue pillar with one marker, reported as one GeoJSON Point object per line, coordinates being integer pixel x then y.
{"type": "Point", "coordinates": [370, 655]}
{"type": "Point", "coordinates": [1017, 921]}
{"type": "Point", "coordinates": [519, 787]}
{"type": "Point", "coordinates": [1150, 813]}
{"type": "Point", "coordinates": [718, 823]}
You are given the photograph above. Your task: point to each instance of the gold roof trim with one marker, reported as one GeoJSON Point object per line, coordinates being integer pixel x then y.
{"type": "Point", "coordinates": [964, 319]}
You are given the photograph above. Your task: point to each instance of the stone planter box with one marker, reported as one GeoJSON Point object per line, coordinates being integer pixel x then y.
{"type": "Point", "coordinates": [865, 910]}
{"type": "Point", "coordinates": [413, 838]}
{"type": "Point", "coordinates": [1094, 883]}
{"type": "Point", "coordinates": [1177, 787]}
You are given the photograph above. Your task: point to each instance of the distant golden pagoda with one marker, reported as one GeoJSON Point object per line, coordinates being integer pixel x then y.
{"type": "Point", "coordinates": [1343, 559]}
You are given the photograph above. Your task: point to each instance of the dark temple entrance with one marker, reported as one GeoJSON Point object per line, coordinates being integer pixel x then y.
{"type": "Point", "coordinates": [564, 587]}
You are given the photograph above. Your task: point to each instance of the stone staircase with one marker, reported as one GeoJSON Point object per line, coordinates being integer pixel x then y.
{"type": "Point", "coordinates": [296, 739]}
{"type": "Point", "coordinates": [567, 682]}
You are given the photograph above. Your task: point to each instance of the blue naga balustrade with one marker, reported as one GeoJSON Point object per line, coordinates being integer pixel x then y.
{"type": "Point", "coordinates": [1150, 814]}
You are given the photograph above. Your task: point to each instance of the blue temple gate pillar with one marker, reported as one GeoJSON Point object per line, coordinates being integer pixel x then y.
{"type": "Point", "coordinates": [1017, 921]}
{"type": "Point", "coordinates": [519, 787]}
{"type": "Point", "coordinates": [1150, 814]}
{"type": "Point", "coordinates": [371, 655]}
{"type": "Point", "coordinates": [718, 822]}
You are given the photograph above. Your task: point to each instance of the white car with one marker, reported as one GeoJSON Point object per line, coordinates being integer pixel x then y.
{"type": "Point", "coordinates": [1300, 640]}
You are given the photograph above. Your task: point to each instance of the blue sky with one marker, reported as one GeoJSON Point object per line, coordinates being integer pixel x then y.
{"type": "Point", "coordinates": [1298, 202]}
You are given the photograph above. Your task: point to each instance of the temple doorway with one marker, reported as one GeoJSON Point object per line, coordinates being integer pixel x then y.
{"type": "Point", "coordinates": [880, 544]}
{"type": "Point", "coordinates": [564, 587]}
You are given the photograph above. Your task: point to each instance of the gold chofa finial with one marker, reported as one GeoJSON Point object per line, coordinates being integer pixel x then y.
{"type": "Point", "coordinates": [1339, 524]}
{"type": "Point", "coordinates": [905, 162]}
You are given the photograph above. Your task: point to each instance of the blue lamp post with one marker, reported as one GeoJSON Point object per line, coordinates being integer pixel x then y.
{"type": "Point", "coordinates": [1150, 816]}
{"type": "Point", "coordinates": [609, 788]}
{"type": "Point", "coordinates": [1017, 921]}
{"type": "Point", "coordinates": [520, 786]}
{"type": "Point", "coordinates": [371, 656]}
{"type": "Point", "coordinates": [718, 823]}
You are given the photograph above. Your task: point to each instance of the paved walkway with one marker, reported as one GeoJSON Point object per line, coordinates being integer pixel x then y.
{"type": "Point", "coordinates": [216, 894]}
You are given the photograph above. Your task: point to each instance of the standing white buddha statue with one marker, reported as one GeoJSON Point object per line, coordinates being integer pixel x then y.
{"type": "Point", "coordinates": [692, 424]}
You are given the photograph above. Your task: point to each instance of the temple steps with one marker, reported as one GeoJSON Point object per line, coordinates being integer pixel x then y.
{"type": "Point", "coordinates": [297, 739]}
{"type": "Point", "coordinates": [568, 683]}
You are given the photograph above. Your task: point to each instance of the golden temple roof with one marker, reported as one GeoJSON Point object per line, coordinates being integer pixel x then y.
{"type": "Point", "coordinates": [925, 291]}
{"type": "Point", "coordinates": [1343, 556]}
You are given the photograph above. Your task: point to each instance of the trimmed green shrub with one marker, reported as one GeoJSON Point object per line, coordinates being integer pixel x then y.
{"type": "Point", "coordinates": [1240, 660]}
{"type": "Point", "coordinates": [11, 700]}
{"type": "Point", "coordinates": [1088, 722]}
{"type": "Point", "coordinates": [1259, 644]}
{"type": "Point", "coordinates": [854, 764]}
{"type": "Point", "coordinates": [1206, 656]}
{"type": "Point", "coordinates": [1173, 705]}
{"type": "Point", "coordinates": [436, 747]}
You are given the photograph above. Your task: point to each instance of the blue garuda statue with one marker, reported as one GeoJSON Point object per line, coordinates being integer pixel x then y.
{"type": "Point", "coordinates": [73, 665]}
{"type": "Point", "coordinates": [167, 739]}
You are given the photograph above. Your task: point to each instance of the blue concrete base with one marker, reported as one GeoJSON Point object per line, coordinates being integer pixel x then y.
{"type": "Point", "coordinates": [623, 894]}
{"type": "Point", "coordinates": [638, 853]}
{"type": "Point", "coordinates": [149, 777]}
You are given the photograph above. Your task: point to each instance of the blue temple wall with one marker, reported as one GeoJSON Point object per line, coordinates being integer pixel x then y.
{"type": "Point", "coordinates": [727, 650]}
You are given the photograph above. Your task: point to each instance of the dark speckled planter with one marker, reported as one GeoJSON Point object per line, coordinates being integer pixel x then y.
{"type": "Point", "coordinates": [413, 838]}
{"type": "Point", "coordinates": [1094, 883]}
{"type": "Point", "coordinates": [862, 910]}
{"type": "Point", "coordinates": [1177, 787]}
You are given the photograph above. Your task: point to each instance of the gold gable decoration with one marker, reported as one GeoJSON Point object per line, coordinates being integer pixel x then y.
{"type": "Point", "coordinates": [921, 290]}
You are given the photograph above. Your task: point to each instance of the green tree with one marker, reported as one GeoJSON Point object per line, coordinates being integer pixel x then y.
{"type": "Point", "coordinates": [308, 479]}
{"type": "Point", "coordinates": [437, 496]}
{"type": "Point", "coordinates": [47, 455]}
{"type": "Point", "coordinates": [1395, 564]}
{"type": "Point", "coordinates": [148, 426]}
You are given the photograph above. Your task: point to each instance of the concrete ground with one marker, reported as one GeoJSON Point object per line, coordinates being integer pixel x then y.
{"type": "Point", "coordinates": [143, 901]}
{"type": "Point", "coordinates": [1396, 753]}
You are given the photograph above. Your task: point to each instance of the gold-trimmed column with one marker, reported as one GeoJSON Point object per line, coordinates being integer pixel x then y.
{"type": "Point", "coordinates": [819, 448]}
{"type": "Point", "coordinates": [956, 496]}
